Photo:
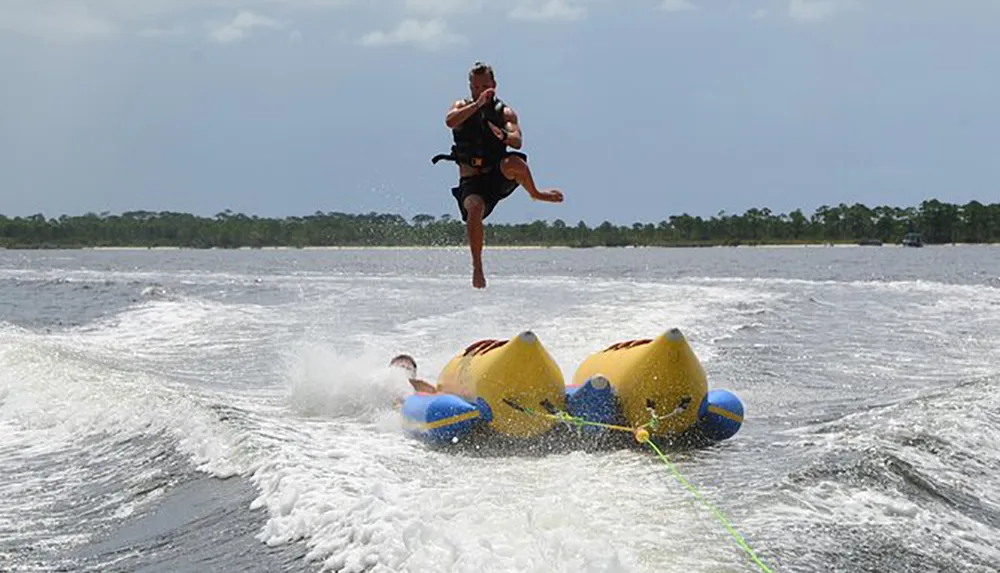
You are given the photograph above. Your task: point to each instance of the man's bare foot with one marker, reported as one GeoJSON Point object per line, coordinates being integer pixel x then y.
{"type": "Point", "coordinates": [478, 278]}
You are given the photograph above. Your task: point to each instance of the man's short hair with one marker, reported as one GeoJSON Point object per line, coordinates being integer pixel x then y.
{"type": "Point", "coordinates": [406, 358]}
{"type": "Point", "coordinates": [480, 68]}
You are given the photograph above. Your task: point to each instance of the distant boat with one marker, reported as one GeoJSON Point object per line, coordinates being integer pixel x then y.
{"type": "Point", "coordinates": [870, 242]}
{"type": "Point", "coordinates": [912, 240]}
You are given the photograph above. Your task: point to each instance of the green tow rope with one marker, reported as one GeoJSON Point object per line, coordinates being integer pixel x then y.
{"type": "Point", "coordinates": [641, 435]}
{"type": "Point", "coordinates": [722, 518]}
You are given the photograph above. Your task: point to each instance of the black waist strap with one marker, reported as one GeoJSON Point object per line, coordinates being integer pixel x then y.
{"type": "Point", "coordinates": [474, 161]}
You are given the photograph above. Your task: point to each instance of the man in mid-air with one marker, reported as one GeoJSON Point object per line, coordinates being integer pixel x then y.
{"type": "Point", "coordinates": [483, 127]}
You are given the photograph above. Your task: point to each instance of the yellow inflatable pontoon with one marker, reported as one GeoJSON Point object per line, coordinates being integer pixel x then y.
{"type": "Point", "coordinates": [661, 373]}
{"type": "Point", "coordinates": [518, 369]}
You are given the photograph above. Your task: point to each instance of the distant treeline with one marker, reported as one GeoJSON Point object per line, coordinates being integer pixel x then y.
{"type": "Point", "coordinates": [937, 222]}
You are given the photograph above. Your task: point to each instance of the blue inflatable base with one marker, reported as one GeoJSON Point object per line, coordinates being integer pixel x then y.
{"type": "Point", "coordinates": [443, 418]}
{"type": "Point", "coordinates": [720, 415]}
{"type": "Point", "coordinates": [594, 401]}
{"type": "Point", "coordinates": [446, 418]}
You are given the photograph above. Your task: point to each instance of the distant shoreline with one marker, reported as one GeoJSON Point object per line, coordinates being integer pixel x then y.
{"type": "Point", "coordinates": [930, 223]}
{"type": "Point", "coordinates": [464, 247]}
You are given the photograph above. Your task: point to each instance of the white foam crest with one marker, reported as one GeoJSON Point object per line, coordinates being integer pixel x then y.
{"type": "Point", "coordinates": [921, 286]}
{"type": "Point", "coordinates": [56, 393]}
{"type": "Point", "coordinates": [829, 504]}
{"type": "Point", "coordinates": [46, 472]}
{"type": "Point", "coordinates": [182, 320]}
{"type": "Point", "coordinates": [965, 443]}
{"type": "Point", "coordinates": [102, 276]}
{"type": "Point", "coordinates": [205, 342]}
{"type": "Point", "coordinates": [940, 434]}
{"type": "Point", "coordinates": [921, 335]}
{"type": "Point", "coordinates": [69, 425]}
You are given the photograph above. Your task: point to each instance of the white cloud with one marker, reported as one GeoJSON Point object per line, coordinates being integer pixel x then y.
{"type": "Point", "coordinates": [89, 19]}
{"type": "Point", "coordinates": [442, 7]}
{"type": "Point", "coordinates": [162, 32]}
{"type": "Point", "coordinates": [427, 34]}
{"type": "Point", "coordinates": [677, 5]}
{"type": "Point", "coordinates": [816, 10]}
{"type": "Point", "coordinates": [242, 27]}
{"type": "Point", "coordinates": [425, 24]}
{"type": "Point", "coordinates": [60, 20]}
{"type": "Point", "coordinates": [130, 9]}
{"type": "Point", "coordinates": [539, 10]}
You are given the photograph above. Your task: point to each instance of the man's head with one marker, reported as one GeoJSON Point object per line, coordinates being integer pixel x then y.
{"type": "Point", "coordinates": [481, 78]}
{"type": "Point", "coordinates": [406, 362]}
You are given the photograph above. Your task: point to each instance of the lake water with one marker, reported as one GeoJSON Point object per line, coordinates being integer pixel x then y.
{"type": "Point", "coordinates": [166, 411]}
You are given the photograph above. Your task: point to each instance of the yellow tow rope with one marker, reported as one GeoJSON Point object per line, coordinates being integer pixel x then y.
{"type": "Point", "coordinates": [641, 435]}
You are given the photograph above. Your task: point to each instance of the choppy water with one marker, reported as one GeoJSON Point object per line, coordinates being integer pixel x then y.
{"type": "Point", "coordinates": [165, 411]}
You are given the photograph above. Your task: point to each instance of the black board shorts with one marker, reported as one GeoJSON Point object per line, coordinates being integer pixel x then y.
{"type": "Point", "coordinates": [491, 186]}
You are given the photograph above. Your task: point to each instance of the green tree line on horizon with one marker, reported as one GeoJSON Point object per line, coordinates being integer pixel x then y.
{"type": "Point", "coordinates": [936, 221]}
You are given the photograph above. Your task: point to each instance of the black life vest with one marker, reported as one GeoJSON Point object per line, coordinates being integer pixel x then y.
{"type": "Point", "coordinates": [475, 143]}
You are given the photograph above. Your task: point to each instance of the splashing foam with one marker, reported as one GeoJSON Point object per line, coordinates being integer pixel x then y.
{"type": "Point", "coordinates": [378, 509]}
{"type": "Point", "coordinates": [325, 382]}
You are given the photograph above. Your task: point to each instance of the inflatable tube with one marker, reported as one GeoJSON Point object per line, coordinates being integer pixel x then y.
{"type": "Point", "coordinates": [594, 401]}
{"type": "Point", "coordinates": [662, 373]}
{"type": "Point", "coordinates": [720, 415]}
{"type": "Point", "coordinates": [518, 370]}
{"type": "Point", "coordinates": [442, 417]}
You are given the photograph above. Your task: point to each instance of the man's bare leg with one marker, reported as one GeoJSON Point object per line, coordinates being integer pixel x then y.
{"type": "Point", "coordinates": [474, 206]}
{"type": "Point", "coordinates": [517, 169]}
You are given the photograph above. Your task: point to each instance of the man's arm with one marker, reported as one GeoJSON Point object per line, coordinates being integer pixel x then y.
{"type": "Point", "coordinates": [423, 386]}
{"type": "Point", "coordinates": [513, 128]}
{"type": "Point", "coordinates": [459, 112]}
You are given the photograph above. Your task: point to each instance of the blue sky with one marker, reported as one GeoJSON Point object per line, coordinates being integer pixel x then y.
{"type": "Point", "coordinates": [636, 109]}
